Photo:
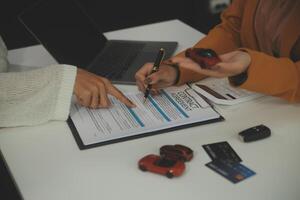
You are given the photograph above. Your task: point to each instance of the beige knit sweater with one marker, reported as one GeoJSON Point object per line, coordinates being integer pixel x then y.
{"type": "Point", "coordinates": [36, 96]}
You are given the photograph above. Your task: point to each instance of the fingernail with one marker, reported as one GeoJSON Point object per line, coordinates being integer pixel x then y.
{"type": "Point", "coordinates": [148, 80]}
{"type": "Point", "coordinates": [131, 102]}
{"type": "Point", "coordinates": [133, 105]}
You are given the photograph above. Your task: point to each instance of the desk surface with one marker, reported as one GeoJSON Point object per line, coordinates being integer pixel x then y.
{"type": "Point", "coordinates": [47, 164]}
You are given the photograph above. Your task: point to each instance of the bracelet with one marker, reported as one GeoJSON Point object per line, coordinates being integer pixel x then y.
{"type": "Point", "coordinates": [238, 79]}
{"type": "Point", "coordinates": [176, 67]}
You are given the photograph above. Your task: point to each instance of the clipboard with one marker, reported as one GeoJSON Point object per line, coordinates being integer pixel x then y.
{"type": "Point", "coordinates": [78, 120]}
{"type": "Point", "coordinates": [82, 146]}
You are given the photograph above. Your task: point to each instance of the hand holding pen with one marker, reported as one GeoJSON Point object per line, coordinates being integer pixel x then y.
{"type": "Point", "coordinates": [155, 68]}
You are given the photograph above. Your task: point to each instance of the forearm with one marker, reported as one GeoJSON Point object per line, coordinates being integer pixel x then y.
{"type": "Point", "coordinates": [274, 76]}
{"type": "Point", "coordinates": [37, 96]}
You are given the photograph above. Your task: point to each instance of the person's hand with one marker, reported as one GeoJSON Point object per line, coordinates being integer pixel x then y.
{"type": "Point", "coordinates": [92, 90]}
{"type": "Point", "coordinates": [232, 64]}
{"type": "Point", "coordinates": [164, 77]}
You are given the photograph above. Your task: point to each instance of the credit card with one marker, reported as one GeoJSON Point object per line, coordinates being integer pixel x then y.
{"type": "Point", "coordinates": [234, 172]}
{"type": "Point", "coordinates": [222, 151]}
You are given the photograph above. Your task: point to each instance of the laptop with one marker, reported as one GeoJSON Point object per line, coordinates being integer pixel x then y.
{"type": "Point", "coordinates": [72, 37]}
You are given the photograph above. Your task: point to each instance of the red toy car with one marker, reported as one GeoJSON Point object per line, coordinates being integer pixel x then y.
{"type": "Point", "coordinates": [206, 58]}
{"type": "Point", "coordinates": [176, 152]}
{"type": "Point", "coordinates": [162, 165]}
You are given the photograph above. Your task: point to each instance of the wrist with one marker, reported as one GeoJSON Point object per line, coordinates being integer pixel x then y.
{"type": "Point", "coordinates": [177, 72]}
{"type": "Point", "coordinates": [238, 79]}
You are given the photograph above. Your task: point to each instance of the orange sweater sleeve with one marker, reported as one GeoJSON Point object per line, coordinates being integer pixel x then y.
{"type": "Point", "coordinates": [225, 37]}
{"type": "Point", "coordinates": [274, 76]}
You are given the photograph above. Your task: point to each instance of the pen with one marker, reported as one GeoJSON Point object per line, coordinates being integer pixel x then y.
{"type": "Point", "coordinates": [155, 68]}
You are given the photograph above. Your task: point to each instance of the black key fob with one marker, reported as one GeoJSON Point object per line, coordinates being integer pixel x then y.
{"type": "Point", "coordinates": [255, 133]}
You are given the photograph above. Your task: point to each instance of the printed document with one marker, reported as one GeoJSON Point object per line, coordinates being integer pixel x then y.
{"type": "Point", "coordinates": [174, 107]}
{"type": "Point", "coordinates": [219, 91]}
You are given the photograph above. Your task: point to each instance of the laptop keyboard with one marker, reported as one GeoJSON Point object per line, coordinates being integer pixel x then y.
{"type": "Point", "coordinates": [116, 59]}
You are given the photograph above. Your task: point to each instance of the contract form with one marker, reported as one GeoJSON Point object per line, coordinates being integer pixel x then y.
{"type": "Point", "coordinates": [173, 107]}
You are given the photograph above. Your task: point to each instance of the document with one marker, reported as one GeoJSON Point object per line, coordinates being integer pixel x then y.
{"type": "Point", "coordinates": [174, 108]}
{"type": "Point", "coordinates": [219, 91]}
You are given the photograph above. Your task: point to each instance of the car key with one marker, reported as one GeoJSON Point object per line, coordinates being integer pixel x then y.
{"type": "Point", "coordinates": [255, 133]}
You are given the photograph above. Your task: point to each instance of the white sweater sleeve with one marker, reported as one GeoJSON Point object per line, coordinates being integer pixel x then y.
{"type": "Point", "coordinates": [3, 56]}
{"type": "Point", "coordinates": [36, 96]}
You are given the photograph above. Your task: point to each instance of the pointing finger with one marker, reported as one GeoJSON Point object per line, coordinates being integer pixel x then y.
{"type": "Point", "coordinates": [120, 96]}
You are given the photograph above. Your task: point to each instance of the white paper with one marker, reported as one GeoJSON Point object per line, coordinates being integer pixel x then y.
{"type": "Point", "coordinates": [219, 91]}
{"type": "Point", "coordinates": [175, 106]}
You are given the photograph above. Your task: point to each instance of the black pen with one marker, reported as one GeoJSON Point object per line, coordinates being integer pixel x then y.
{"type": "Point", "coordinates": [155, 68]}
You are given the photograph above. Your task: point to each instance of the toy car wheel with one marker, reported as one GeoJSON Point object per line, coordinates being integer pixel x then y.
{"type": "Point", "coordinates": [169, 175]}
{"type": "Point", "coordinates": [143, 168]}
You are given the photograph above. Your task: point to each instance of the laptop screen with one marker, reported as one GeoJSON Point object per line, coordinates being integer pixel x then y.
{"type": "Point", "coordinates": [65, 30]}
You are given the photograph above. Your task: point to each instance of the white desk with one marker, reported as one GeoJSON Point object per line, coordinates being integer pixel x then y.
{"type": "Point", "coordinates": [47, 164]}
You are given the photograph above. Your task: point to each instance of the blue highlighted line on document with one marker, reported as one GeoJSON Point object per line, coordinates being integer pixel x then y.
{"type": "Point", "coordinates": [175, 104]}
{"type": "Point", "coordinates": [137, 119]}
{"type": "Point", "coordinates": [159, 109]}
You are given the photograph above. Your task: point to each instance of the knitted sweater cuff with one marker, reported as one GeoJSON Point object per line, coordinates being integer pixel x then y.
{"type": "Point", "coordinates": [65, 92]}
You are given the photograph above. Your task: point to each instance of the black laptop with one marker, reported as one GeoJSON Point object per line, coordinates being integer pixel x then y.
{"type": "Point", "coordinates": [71, 37]}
